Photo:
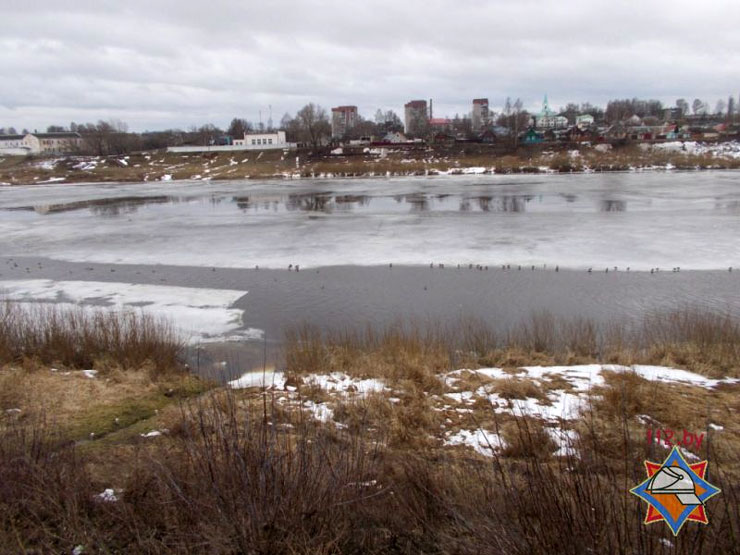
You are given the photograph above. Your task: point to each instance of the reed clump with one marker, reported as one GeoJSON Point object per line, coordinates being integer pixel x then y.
{"type": "Point", "coordinates": [82, 338]}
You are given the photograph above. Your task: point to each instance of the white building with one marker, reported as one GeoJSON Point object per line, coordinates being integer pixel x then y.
{"type": "Point", "coordinates": [584, 121]}
{"type": "Point", "coordinates": [251, 141]}
{"type": "Point", "coordinates": [547, 119]}
{"type": "Point", "coordinates": [394, 137]}
{"type": "Point", "coordinates": [14, 145]}
{"type": "Point", "coordinates": [262, 140]}
{"type": "Point", "coordinates": [40, 143]}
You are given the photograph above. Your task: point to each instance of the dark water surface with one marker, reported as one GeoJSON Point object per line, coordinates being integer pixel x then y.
{"type": "Point", "coordinates": [351, 297]}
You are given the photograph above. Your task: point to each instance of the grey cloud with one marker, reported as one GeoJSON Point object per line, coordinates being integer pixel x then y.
{"type": "Point", "coordinates": [177, 63]}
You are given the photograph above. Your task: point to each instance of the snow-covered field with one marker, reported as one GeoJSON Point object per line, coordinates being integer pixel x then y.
{"type": "Point", "coordinates": [198, 314]}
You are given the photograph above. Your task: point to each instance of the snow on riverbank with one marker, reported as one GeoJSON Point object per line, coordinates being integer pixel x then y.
{"type": "Point", "coordinates": [730, 149]}
{"type": "Point", "coordinates": [563, 406]}
{"type": "Point", "coordinates": [198, 314]}
{"type": "Point", "coordinates": [567, 404]}
{"type": "Point", "coordinates": [559, 409]}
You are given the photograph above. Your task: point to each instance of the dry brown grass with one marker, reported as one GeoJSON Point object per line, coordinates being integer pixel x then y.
{"type": "Point", "coordinates": [526, 438]}
{"type": "Point", "coordinates": [230, 480]}
{"type": "Point", "coordinates": [152, 166]}
{"type": "Point", "coordinates": [253, 471]}
{"type": "Point", "coordinates": [515, 388]}
{"type": "Point", "coordinates": [701, 341]}
{"type": "Point", "coordinates": [79, 338]}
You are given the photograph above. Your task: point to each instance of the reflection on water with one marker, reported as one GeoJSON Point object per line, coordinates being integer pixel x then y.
{"type": "Point", "coordinates": [327, 202]}
{"type": "Point", "coordinates": [589, 220]}
{"type": "Point", "coordinates": [101, 207]}
{"type": "Point", "coordinates": [415, 203]}
{"type": "Point", "coordinates": [350, 200]}
{"type": "Point", "coordinates": [613, 206]}
{"type": "Point", "coordinates": [729, 205]}
{"type": "Point", "coordinates": [419, 202]}
{"type": "Point", "coordinates": [318, 202]}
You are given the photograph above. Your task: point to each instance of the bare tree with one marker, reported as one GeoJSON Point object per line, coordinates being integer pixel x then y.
{"type": "Point", "coordinates": [107, 137]}
{"type": "Point", "coordinates": [697, 106]}
{"type": "Point", "coordinates": [683, 106]}
{"type": "Point", "coordinates": [720, 107]}
{"type": "Point", "coordinates": [514, 118]}
{"type": "Point", "coordinates": [313, 124]}
{"type": "Point", "coordinates": [571, 111]}
{"type": "Point", "coordinates": [618, 110]}
{"type": "Point", "coordinates": [238, 128]}
{"type": "Point", "coordinates": [207, 134]}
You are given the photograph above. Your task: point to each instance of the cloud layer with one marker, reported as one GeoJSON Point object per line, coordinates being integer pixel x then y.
{"type": "Point", "coordinates": [176, 63]}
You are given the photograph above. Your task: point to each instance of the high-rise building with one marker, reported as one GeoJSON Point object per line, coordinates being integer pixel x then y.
{"type": "Point", "coordinates": [480, 117]}
{"type": "Point", "coordinates": [343, 119]}
{"type": "Point", "coordinates": [415, 117]}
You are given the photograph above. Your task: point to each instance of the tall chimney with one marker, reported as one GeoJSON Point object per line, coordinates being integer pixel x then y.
{"type": "Point", "coordinates": [430, 109]}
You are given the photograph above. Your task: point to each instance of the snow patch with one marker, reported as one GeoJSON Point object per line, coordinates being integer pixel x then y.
{"type": "Point", "coordinates": [107, 496]}
{"type": "Point", "coordinates": [269, 379]}
{"type": "Point", "coordinates": [337, 381]}
{"type": "Point", "coordinates": [485, 443]}
{"type": "Point", "coordinates": [154, 433]}
{"type": "Point", "coordinates": [320, 411]}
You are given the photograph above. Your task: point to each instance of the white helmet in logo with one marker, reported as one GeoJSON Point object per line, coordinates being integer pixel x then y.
{"type": "Point", "coordinates": [675, 480]}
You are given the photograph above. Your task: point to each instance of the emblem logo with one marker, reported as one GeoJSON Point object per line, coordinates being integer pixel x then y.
{"type": "Point", "coordinates": [675, 491]}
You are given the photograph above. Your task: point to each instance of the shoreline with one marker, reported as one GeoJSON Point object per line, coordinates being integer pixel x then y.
{"type": "Point", "coordinates": [379, 176]}
{"type": "Point", "coordinates": [159, 166]}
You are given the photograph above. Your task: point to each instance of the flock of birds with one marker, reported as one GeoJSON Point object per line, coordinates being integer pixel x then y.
{"type": "Point", "coordinates": [518, 267]}
{"type": "Point", "coordinates": [480, 267]}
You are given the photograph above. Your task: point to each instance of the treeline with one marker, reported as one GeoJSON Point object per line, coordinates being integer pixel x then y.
{"type": "Point", "coordinates": [311, 125]}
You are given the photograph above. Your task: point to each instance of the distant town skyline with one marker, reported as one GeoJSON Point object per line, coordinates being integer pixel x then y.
{"type": "Point", "coordinates": [177, 64]}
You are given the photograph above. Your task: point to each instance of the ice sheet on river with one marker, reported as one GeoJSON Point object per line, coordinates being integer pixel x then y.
{"type": "Point", "coordinates": [662, 220]}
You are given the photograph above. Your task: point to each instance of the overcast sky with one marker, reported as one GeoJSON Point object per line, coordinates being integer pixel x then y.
{"type": "Point", "coordinates": [177, 63]}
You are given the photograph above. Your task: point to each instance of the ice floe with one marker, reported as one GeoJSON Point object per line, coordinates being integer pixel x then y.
{"type": "Point", "coordinates": [199, 314]}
